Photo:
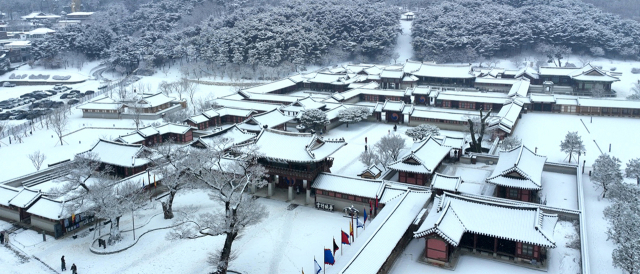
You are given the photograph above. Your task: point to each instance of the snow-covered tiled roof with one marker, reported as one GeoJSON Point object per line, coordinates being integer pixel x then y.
{"type": "Point", "coordinates": [101, 106]}
{"type": "Point", "coordinates": [173, 128]}
{"type": "Point", "coordinates": [197, 119]}
{"type": "Point", "coordinates": [25, 198]}
{"type": "Point", "coordinates": [411, 66]}
{"type": "Point", "coordinates": [478, 97]}
{"type": "Point", "coordinates": [374, 170]}
{"type": "Point", "coordinates": [424, 157]}
{"type": "Point", "coordinates": [295, 147]}
{"type": "Point", "coordinates": [358, 91]}
{"type": "Point", "coordinates": [309, 103]}
{"type": "Point", "coordinates": [453, 215]}
{"type": "Point", "coordinates": [271, 87]}
{"type": "Point", "coordinates": [269, 97]}
{"type": "Point", "coordinates": [271, 119]}
{"type": "Point", "coordinates": [248, 105]}
{"type": "Point", "coordinates": [329, 78]}
{"type": "Point", "coordinates": [227, 111]}
{"type": "Point", "coordinates": [131, 138]}
{"type": "Point", "coordinates": [333, 113]}
{"type": "Point", "coordinates": [41, 31]}
{"type": "Point", "coordinates": [153, 100]}
{"type": "Point", "coordinates": [442, 115]}
{"type": "Point", "coordinates": [518, 168]}
{"type": "Point", "coordinates": [445, 71]}
{"type": "Point", "coordinates": [454, 142]}
{"type": "Point", "coordinates": [348, 185]}
{"type": "Point", "coordinates": [444, 182]}
{"type": "Point", "coordinates": [234, 134]}
{"type": "Point", "coordinates": [48, 208]}
{"type": "Point", "coordinates": [507, 117]}
{"type": "Point", "coordinates": [395, 74]}
{"type": "Point", "coordinates": [529, 71]}
{"type": "Point", "coordinates": [118, 154]}
{"type": "Point", "coordinates": [147, 131]}
{"type": "Point", "coordinates": [492, 80]}
{"type": "Point", "coordinates": [382, 242]}
{"type": "Point", "coordinates": [586, 73]}
{"type": "Point", "coordinates": [6, 194]}
{"type": "Point", "coordinates": [520, 88]}
{"type": "Point", "coordinates": [542, 98]}
{"type": "Point", "coordinates": [210, 113]}
{"type": "Point", "coordinates": [393, 106]}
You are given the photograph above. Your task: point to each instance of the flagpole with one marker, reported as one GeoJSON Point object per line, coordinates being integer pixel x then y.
{"type": "Point", "coordinates": [325, 262]}
{"type": "Point", "coordinates": [340, 242]}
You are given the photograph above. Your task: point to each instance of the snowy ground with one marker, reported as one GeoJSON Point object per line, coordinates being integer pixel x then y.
{"type": "Point", "coordinates": [562, 260]}
{"type": "Point", "coordinates": [403, 46]}
{"type": "Point", "coordinates": [546, 131]}
{"type": "Point", "coordinates": [285, 242]}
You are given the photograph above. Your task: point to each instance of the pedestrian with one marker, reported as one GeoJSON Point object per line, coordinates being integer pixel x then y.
{"type": "Point", "coordinates": [365, 148]}
{"type": "Point", "coordinates": [395, 128]}
{"type": "Point", "coordinates": [64, 266]}
{"type": "Point", "coordinates": [389, 132]}
{"type": "Point", "coordinates": [74, 269]}
{"type": "Point", "coordinates": [2, 237]}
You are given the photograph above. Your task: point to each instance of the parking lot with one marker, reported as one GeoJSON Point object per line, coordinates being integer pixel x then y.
{"type": "Point", "coordinates": [39, 102]}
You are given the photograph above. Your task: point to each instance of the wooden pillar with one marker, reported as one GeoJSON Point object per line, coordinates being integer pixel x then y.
{"type": "Point", "coordinates": [495, 247]}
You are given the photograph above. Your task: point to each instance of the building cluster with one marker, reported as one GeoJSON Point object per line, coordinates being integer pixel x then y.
{"type": "Point", "coordinates": [16, 38]}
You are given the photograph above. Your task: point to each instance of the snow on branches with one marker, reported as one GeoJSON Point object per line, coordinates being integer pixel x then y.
{"type": "Point", "coordinates": [422, 131]}
{"type": "Point", "coordinates": [353, 115]}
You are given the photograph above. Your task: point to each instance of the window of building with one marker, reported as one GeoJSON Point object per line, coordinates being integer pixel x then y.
{"type": "Point", "coordinates": [527, 250]}
{"type": "Point", "coordinates": [513, 193]}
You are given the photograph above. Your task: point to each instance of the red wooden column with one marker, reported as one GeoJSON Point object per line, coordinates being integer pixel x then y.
{"type": "Point", "coordinates": [475, 242]}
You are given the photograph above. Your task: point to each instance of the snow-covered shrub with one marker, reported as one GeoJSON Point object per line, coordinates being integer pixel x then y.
{"type": "Point", "coordinates": [61, 78]}
{"type": "Point", "coordinates": [635, 70]}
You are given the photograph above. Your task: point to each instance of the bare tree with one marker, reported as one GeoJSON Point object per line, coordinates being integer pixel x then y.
{"type": "Point", "coordinates": [3, 128]}
{"type": "Point", "coordinates": [510, 143]}
{"type": "Point", "coordinates": [37, 158]}
{"type": "Point", "coordinates": [58, 120]}
{"type": "Point", "coordinates": [385, 151]}
{"type": "Point", "coordinates": [172, 168]}
{"type": "Point", "coordinates": [226, 180]}
{"type": "Point", "coordinates": [477, 128]}
{"type": "Point", "coordinates": [185, 87]}
{"type": "Point", "coordinates": [136, 115]}
{"type": "Point", "coordinates": [191, 88]}
{"type": "Point", "coordinates": [554, 54]}
{"type": "Point", "coordinates": [83, 167]}
{"type": "Point", "coordinates": [598, 91]}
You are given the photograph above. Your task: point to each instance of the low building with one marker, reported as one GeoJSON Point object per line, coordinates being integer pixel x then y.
{"type": "Point", "coordinates": [341, 191]}
{"type": "Point", "coordinates": [505, 122]}
{"type": "Point", "coordinates": [445, 74]}
{"type": "Point", "coordinates": [513, 232]}
{"type": "Point", "coordinates": [40, 33]}
{"type": "Point", "coordinates": [273, 119]}
{"type": "Point", "coordinates": [518, 175]}
{"type": "Point", "coordinates": [393, 111]}
{"type": "Point", "coordinates": [419, 164]}
{"type": "Point", "coordinates": [125, 159]}
{"type": "Point", "coordinates": [583, 80]}
{"type": "Point", "coordinates": [23, 201]}
{"type": "Point", "coordinates": [229, 137]}
{"type": "Point", "coordinates": [295, 159]}
{"type": "Point", "coordinates": [371, 172]}
{"type": "Point", "coordinates": [7, 212]}
{"type": "Point", "coordinates": [50, 216]}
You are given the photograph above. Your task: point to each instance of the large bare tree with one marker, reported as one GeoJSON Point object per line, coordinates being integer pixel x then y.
{"type": "Point", "coordinates": [227, 181]}
{"type": "Point", "coordinates": [477, 129]}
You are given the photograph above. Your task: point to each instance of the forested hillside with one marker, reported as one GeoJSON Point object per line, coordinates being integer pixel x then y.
{"type": "Point", "coordinates": [462, 30]}
{"type": "Point", "coordinates": [295, 34]}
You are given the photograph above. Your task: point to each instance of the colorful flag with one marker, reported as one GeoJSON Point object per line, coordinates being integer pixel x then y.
{"type": "Point", "coordinates": [351, 229]}
{"type": "Point", "coordinates": [316, 267]}
{"type": "Point", "coordinates": [328, 257]}
{"type": "Point", "coordinates": [335, 246]}
{"type": "Point", "coordinates": [358, 224]}
{"type": "Point", "coordinates": [365, 216]}
{"type": "Point", "coordinates": [345, 238]}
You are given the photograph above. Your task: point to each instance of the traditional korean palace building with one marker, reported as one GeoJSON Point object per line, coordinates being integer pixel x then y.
{"type": "Point", "coordinates": [152, 135]}
{"type": "Point", "coordinates": [458, 224]}
{"type": "Point", "coordinates": [418, 165]}
{"type": "Point", "coordinates": [125, 159]}
{"type": "Point", "coordinates": [233, 136]}
{"type": "Point", "coordinates": [295, 159]}
{"type": "Point", "coordinates": [518, 175]}
{"type": "Point", "coordinates": [582, 80]}
{"type": "Point", "coordinates": [273, 119]}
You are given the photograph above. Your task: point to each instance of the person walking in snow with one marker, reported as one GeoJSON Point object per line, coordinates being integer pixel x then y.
{"type": "Point", "coordinates": [64, 266]}
{"type": "Point", "coordinates": [74, 269]}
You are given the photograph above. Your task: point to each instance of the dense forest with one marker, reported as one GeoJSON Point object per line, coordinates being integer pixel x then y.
{"type": "Point", "coordinates": [291, 34]}
{"type": "Point", "coordinates": [463, 30]}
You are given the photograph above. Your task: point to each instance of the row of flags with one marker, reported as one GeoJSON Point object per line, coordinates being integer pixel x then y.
{"type": "Point", "coordinates": [345, 239]}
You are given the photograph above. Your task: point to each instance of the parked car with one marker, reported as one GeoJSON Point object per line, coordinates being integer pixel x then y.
{"type": "Point", "coordinates": [89, 92]}
{"type": "Point", "coordinates": [102, 86]}
{"type": "Point", "coordinates": [8, 85]}
{"type": "Point", "coordinates": [71, 96]}
{"type": "Point", "coordinates": [72, 102]}
{"type": "Point", "coordinates": [64, 96]}
{"type": "Point", "coordinates": [74, 91]}
{"type": "Point", "coordinates": [79, 95]}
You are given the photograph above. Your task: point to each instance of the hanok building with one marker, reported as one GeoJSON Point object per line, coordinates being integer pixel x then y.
{"type": "Point", "coordinates": [421, 162]}
{"type": "Point", "coordinates": [125, 159]}
{"type": "Point", "coordinates": [176, 133]}
{"type": "Point", "coordinates": [296, 108]}
{"type": "Point", "coordinates": [8, 212]}
{"type": "Point", "coordinates": [391, 78]}
{"type": "Point", "coordinates": [295, 159]}
{"type": "Point", "coordinates": [518, 175]}
{"type": "Point", "coordinates": [393, 111]}
{"type": "Point", "coordinates": [458, 224]}
{"type": "Point", "coordinates": [51, 216]}
{"type": "Point", "coordinates": [344, 191]}
{"type": "Point", "coordinates": [330, 82]}
{"type": "Point", "coordinates": [371, 172]}
{"type": "Point", "coordinates": [22, 202]}
{"type": "Point", "coordinates": [445, 74]}
{"type": "Point", "coordinates": [150, 103]}
{"type": "Point", "coordinates": [232, 136]}
{"type": "Point", "coordinates": [472, 100]}
{"type": "Point", "coordinates": [273, 119]}
{"type": "Point", "coordinates": [526, 72]}
{"type": "Point", "coordinates": [278, 87]}
{"type": "Point", "coordinates": [505, 122]}
{"type": "Point", "coordinates": [103, 108]}
{"type": "Point", "coordinates": [583, 80]}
